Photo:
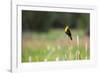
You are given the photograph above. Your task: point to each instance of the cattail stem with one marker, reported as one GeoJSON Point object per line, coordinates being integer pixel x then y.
{"type": "Point", "coordinates": [57, 58]}
{"type": "Point", "coordinates": [51, 50]}
{"type": "Point", "coordinates": [70, 53]}
{"type": "Point", "coordinates": [78, 41]}
{"type": "Point", "coordinates": [65, 57]}
{"type": "Point", "coordinates": [78, 51]}
{"type": "Point", "coordinates": [30, 59]}
{"type": "Point", "coordinates": [78, 56]}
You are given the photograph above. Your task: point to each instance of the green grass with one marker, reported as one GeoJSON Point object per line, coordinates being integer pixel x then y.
{"type": "Point", "coordinates": [51, 55]}
{"type": "Point", "coordinates": [39, 54]}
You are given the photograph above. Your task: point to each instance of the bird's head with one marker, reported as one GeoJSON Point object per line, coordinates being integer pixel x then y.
{"type": "Point", "coordinates": [66, 28]}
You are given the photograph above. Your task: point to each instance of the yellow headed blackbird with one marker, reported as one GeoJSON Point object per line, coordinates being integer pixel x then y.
{"type": "Point", "coordinates": [68, 32]}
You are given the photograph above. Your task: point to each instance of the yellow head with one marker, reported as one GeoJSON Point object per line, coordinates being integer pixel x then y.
{"type": "Point", "coordinates": [66, 28]}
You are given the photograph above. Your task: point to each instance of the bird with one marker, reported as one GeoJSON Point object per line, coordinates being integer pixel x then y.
{"type": "Point", "coordinates": [68, 32]}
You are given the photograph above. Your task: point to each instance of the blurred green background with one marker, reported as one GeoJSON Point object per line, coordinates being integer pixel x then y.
{"type": "Point", "coordinates": [44, 39]}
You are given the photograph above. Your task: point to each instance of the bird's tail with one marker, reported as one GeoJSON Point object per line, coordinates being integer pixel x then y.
{"type": "Point", "coordinates": [71, 37]}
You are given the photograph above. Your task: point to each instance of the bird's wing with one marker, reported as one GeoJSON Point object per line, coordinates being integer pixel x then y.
{"type": "Point", "coordinates": [69, 33]}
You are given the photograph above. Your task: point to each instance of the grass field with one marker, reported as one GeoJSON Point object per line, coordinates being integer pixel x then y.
{"type": "Point", "coordinates": [55, 45]}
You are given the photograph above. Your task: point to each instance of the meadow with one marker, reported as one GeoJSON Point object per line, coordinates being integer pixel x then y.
{"type": "Point", "coordinates": [55, 45]}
